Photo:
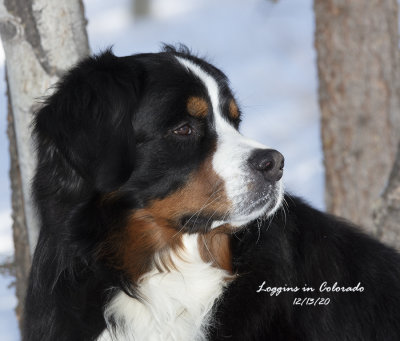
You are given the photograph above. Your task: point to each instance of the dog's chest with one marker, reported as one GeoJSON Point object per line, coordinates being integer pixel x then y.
{"type": "Point", "coordinates": [175, 305]}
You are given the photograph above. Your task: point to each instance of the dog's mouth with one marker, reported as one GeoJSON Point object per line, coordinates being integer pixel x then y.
{"type": "Point", "coordinates": [199, 223]}
{"type": "Point", "coordinates": [258, 205]}
{"type": "Point", "coordinates": [250, 208]}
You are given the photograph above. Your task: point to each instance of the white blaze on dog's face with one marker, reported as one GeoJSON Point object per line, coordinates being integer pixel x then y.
{"type": "Point", "coordinates": [244, 164]}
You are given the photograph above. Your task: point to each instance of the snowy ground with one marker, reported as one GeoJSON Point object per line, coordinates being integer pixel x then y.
{"type": "Point", "coordinates": [265, 49]}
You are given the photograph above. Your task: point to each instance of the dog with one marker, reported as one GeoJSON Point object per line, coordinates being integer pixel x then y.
{"type": "Point", "coordinates": [160, 221]}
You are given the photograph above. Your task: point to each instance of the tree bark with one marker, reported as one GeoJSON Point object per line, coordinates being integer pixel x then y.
{"type": "Point", "coordinates": [387, 213]}
{"type": "Point", "coordinates": [41, 39]}
{"type": "Point", "coordinates": [358, 69]}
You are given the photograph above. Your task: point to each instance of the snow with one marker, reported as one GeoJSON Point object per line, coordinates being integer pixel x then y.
{"type": "Point", "coordinates": [265, 49]}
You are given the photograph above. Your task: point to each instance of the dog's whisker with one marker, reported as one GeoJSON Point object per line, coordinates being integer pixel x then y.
{"type": "Point", "coordinates": [194, 214]}
{"type": "Point", "coordinates": [208, 249]}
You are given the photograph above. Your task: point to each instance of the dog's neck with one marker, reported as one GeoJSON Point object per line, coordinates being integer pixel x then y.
{"type": "Point", "coordinates": [175, 303]}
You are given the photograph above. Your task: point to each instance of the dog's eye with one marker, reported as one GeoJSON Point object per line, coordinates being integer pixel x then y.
{"type": "Point", "coordinates": [184, 130]}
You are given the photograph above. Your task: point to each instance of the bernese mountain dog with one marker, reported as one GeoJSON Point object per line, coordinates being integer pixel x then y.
{"type": "Point", "coordinates": [160, 221]}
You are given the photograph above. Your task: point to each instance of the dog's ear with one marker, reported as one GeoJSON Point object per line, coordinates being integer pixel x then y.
{"type": "Point", "coordinates": [88, 120]}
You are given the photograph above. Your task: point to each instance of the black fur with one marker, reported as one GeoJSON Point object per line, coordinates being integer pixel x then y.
{"type": "Point", "coordinates": [305, 247]}
{"type": "Point", "coordinates": [105, 130]}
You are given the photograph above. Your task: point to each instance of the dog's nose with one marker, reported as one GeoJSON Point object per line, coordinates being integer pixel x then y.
{"type": "Point", "coordinates": [268, 161]}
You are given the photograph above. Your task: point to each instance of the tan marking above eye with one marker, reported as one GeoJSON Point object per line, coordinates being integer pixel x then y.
{"type": "Point", "coordinates": [197, 107]}
{"type": "Point", "coordinates": [233, 109]}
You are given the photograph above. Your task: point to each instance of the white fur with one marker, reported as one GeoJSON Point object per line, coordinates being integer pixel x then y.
{"type": "Point", "coordinates": [175, 305]}
{"type": "Point", "coordinates": [230, 158]}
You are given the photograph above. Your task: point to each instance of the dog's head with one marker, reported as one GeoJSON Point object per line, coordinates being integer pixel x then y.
{"type": "Point", "coordinates": [158, 135]}
{"type": "Point", "coordinates": [162, 128]}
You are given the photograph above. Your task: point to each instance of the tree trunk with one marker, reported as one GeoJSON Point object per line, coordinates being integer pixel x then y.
{"type": "Point", "coordinates": [41, 39]}
{"type": "Point", "coordinates": [358, 69]}
{"type": "Point", "coordinates": [387, 214]}
{"type": "Point", "coordinates": [141, 8]}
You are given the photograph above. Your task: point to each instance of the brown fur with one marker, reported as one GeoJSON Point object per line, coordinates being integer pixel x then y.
{"type": "Point", "coordinates": [197, 107]}
{"type": "Point", "coordinates": [215, 248]}
{"type": "Point", "coordinates": [133, 248]}
{"type": "Point", "coordinates": [152, 233]}
{"type": "Point", "coordinates": [233, 109]}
